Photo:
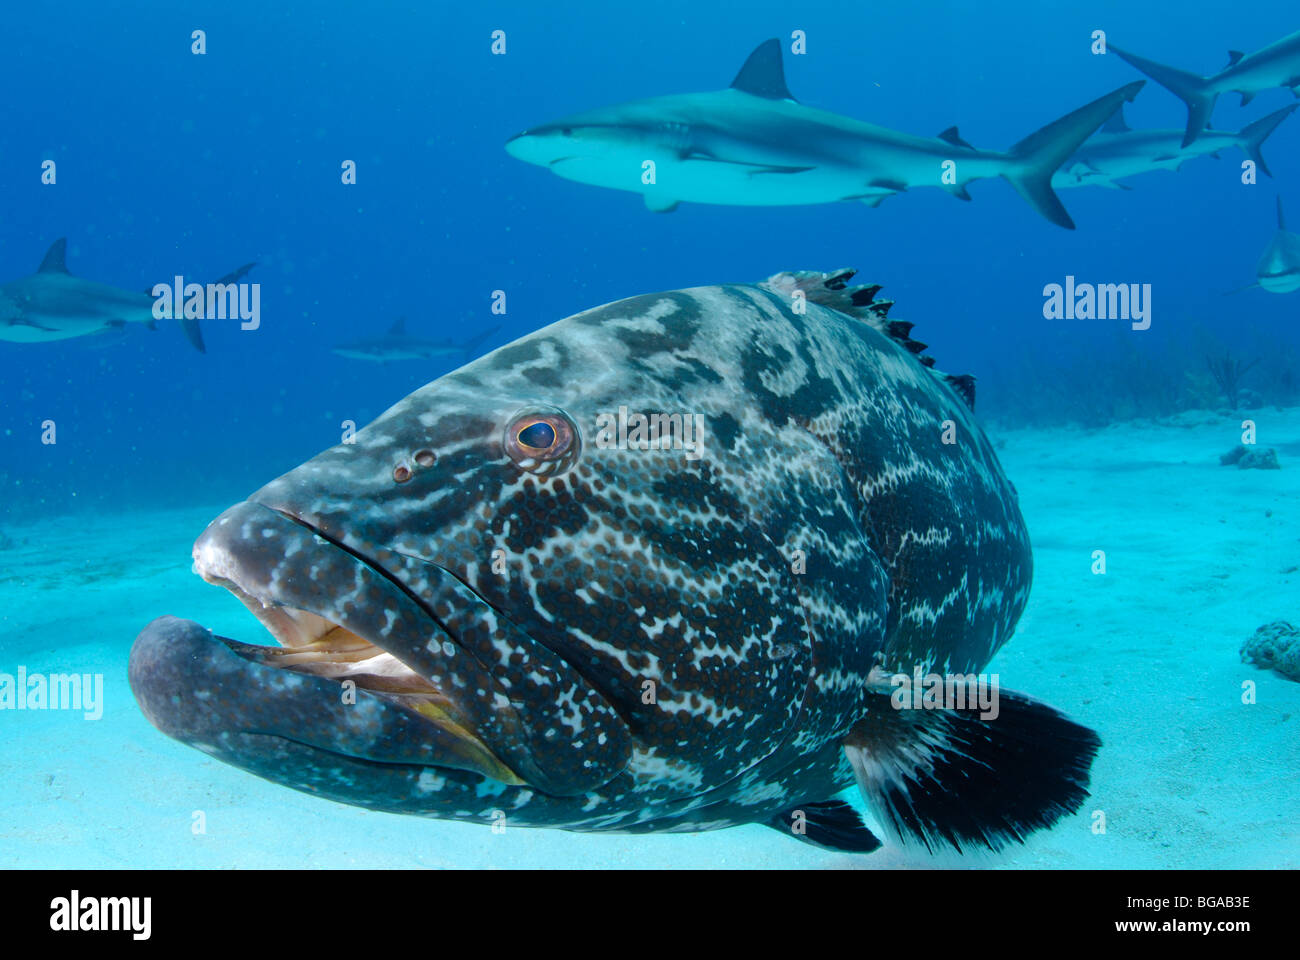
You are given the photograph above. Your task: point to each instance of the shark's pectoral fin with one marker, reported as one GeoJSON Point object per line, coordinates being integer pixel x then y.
{"type": "Point", "coordinates": [958, 190]}
{"type": "Point", "coordinates": [778, 170]}
{"type": "Point", "coordinates": [21, 322]}
{"type": "Point", "coordinates": [658, 203]}
{"type": "Point", "coordinates": [896, 186]}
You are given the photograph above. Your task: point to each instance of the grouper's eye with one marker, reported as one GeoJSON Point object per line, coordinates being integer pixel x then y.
{"type": "Point", "coordinates": [542, 440]}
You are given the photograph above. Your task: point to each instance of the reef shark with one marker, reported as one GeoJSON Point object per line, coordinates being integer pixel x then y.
{"type": "Point", "coordinates": [753, 144]}
{"type": "Point", "coordinates": [1277, 65]}
{"type": "Point", "coordinates": [493, 607]}
{"type": "Point", "coordinates": [1278, 270]}
{"type": "Point", "coordinates": [52, 304]}
{"type": "Point", "coordinates": [397, 344]}
{"type": "Point", "coordinates": [1117, 152]}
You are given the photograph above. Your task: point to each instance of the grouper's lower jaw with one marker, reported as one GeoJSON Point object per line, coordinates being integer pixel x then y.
{"type": "Point", "coordinates": [215, 694]}
{"type": "Point", "coordinates": [297, 584]}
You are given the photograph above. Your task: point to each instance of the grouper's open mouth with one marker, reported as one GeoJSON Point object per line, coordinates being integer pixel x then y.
{"type": "Point", "coordinates": [382, 657]}
{"type": "Point", "coordinates": [336, 618]}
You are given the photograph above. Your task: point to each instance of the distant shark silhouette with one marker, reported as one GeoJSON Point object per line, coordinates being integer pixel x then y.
{"type": "Point", "coordinates": [397, 344]}
{"type": "Point", "coordinates": [1117, 152]}
{"type": "Point", "coordinates": [1279, 268]}
{"type": "Point", "coordinates": [1277, 65]}
{"type": "Point", "coordinates": [753, 144]}
{"type": "Point", "coordinates": [52, 304]}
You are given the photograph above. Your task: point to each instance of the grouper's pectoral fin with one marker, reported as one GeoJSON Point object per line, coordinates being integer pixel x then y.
{"type": "Point", "coordinates": [946, 777]}
{"type": "Point", "coordinates": [829, 824]}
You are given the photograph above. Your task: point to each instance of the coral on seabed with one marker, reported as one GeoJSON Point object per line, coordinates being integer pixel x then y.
{"type": "Point", "coordinates": [1275, 646]}
{"type": "Point", "coordinates": [1247, 459]}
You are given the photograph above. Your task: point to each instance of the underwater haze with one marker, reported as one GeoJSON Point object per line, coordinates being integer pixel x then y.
{"type": "Point", "coordinates": [356, 155]}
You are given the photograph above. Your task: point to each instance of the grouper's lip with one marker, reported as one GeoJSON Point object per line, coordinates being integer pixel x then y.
{"type": "Point", "coordinates": [337, 615]}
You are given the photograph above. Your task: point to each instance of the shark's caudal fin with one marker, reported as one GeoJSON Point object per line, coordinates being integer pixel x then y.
{"type": "Point", "coordinates": [1196, 92]}
{"type": "Point", "coordinates": [1253, 135]}
{"type": "Point", "coordinates": [1040, 154]}
{"type": "Point", "coordinates": [947, 778]}
{"type": "Point", "coordinates": [191, 324]}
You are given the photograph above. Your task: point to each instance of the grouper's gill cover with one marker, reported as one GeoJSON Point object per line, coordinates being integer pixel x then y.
{"type": "Point", "coordinates": [612, 638]}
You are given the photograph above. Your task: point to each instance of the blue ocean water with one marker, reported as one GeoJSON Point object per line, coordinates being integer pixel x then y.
{"type": "Point", "coordinates": [171, 163]}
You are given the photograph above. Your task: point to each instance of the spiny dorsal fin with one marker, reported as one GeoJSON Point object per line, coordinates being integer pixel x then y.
{"type": "Point", "coordinates": [1233, 57]}
{"type": "Point", "coordinates": [398, 328]}
{"type": "Point", "coordinates": [964, 384]}
{"type": "Point", "coordinates": [953, 137]}
{"type": "Point", "coordinates": [832, 290]}
{"type": "Point", "coordinates": [1116, 123]}
{"type": "Point", "coordinates": [55, 258]}
{"type": "Point", "coordinates": [763, 74]}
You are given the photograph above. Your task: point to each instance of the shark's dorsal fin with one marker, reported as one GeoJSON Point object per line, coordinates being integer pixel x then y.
{"type": "Point", "coordinates": [55, 258]}
{"type": "Point", "coordinates": [859, 301]}
{"type": "Point", "coordinates": [952, 136]}
{"type": "Point", "coordinates": [1116, 123]}
{"type": "Point", "coordinates": [1281, 220]}
{"type": "Point", "coordinates": [398, 329]}
{"type": "Point", "coordinates": [763, 74]}
{"type": "Point", "coordinates": [1233, 57]}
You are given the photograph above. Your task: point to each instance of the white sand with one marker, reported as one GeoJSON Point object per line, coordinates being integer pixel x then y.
{"type": "Point", "coordinates": [1196, 557]}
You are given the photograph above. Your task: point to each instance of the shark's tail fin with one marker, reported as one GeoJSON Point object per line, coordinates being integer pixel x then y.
{"type": "Point", "coordinates": [1253, 135]}
{"type": "Point", "coordinates": [1040, 154]}
{"type": "Point", "coordinates": [473, 343]}
{"type": "Point", "coordinates": [191, 324]}
{"type": "Point", "coordinates": [1196, 92]}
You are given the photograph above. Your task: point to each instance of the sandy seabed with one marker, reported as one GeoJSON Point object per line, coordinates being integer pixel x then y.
{"type": "Point", "coordinates": [1197, 556]}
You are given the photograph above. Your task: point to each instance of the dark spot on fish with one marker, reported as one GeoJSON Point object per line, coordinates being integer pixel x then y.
{"type": "Point", "coordinates": [725, 428]}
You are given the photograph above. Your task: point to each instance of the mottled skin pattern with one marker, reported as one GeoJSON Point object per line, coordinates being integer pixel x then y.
{"type": "Point", "coordinates": [672, 644]}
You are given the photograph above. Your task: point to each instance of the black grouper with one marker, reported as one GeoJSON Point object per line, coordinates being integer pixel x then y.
{"type": "Point", "coordinates": [512, 599]}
